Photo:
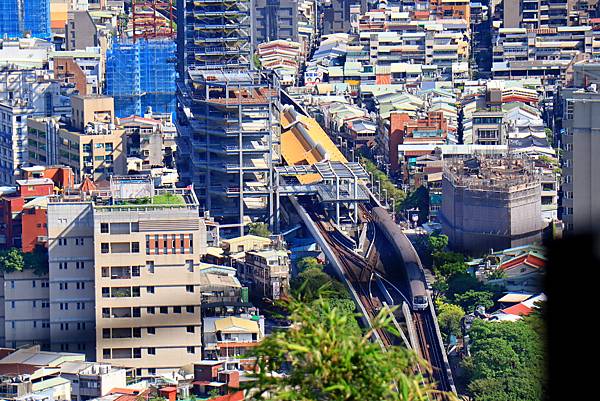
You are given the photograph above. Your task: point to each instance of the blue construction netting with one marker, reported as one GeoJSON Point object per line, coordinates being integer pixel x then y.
{"type": "Point", "coordinates": [21, 17]}
{"type": "Point", "coordinates": [141, 75]}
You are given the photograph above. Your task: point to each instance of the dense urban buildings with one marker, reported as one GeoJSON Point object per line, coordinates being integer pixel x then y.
{"type": "Point", "coordinates": [172, 173]}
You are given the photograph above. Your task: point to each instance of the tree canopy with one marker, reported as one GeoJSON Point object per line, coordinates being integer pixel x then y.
{"type": "Point", "coordinates": [449, 317]}
{"type": "Point", "coordinates": [259, 229]}
{"type": "Point", "coordinates": [317, 359]}
{"type": "Point", "coordinates": [506, 362]}
{"type": "Point", "coordinates": [13, 259]}
{"type": "Point", "coordinates": [314, 283]}
{"type": "Point", "coordinates": [308, 263]}
{"type": "Point", "coordinates": [437, 243]}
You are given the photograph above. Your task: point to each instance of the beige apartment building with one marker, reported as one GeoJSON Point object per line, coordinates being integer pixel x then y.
{"type": "Point", "coordinates": [141, 247]}
{"type": "Point", "coordinates": [89, 142]}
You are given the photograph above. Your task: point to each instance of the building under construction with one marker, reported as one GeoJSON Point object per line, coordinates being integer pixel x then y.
{"type": "Point", "coordinates": [214, 34]}
{"type": "Point", "coordinates": [21, 17]}
{"type": "Point", "coordinates": [141, 74]}
{"type": "Point", "coordinates": [490, 203]}
{"type": "Point", "coordinates": [229, 143]}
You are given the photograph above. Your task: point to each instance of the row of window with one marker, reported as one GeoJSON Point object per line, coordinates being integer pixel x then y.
{"type": "Point", "coordinates": [43, 283]}
{"type": "Point", "coordinates": [65, 265]}
{"type": "Point", "coordinates": [128, 292]}
{"type": "Point", "coordinates": [65, 241]}
{"type": "Point", "coordinates": [45, 324]}
{"type": "Point", "coordinates": [124, 312]}
{"type": "Point", "coordinates": [135, 332]}
{"type": "Point", "coordinates": [135, 353]}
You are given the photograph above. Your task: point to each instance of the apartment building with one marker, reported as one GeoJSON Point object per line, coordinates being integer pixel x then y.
{"type": "Point", "coordinates": [268, 271]}
{"type": "Point", "coordinates": [489, 127]}
{"type": "Point", "coordinates": [25, 308]}
{"type": "Point", "coordinates": [124, 274]}
{"type": "Point", "coordinates": [274, 20]}
{"type": "Point", "coordinates": [89, 142]}
{"type": "Point", "coordinates": [534, 14]}
{"type": "Point", "coordinates": [24, 93]}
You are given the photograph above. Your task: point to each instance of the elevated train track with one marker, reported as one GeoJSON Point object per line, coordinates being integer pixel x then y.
{"type": "Point", "coordinates": [363, 272]}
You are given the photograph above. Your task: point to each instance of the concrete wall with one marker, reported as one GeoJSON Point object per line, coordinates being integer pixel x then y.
{"type": "Point", "coordinates": [477, 221]}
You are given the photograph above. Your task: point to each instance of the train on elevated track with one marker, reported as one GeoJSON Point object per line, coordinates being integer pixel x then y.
{"type": "Point", "coordinates": [407, 254]}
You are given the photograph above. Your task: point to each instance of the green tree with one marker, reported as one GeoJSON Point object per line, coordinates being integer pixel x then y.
{"type": "Point", "coordinates": [506, 362]}
{"type": "Point", "coordinates": [322, 361]}
{"type": "Point", "coordinates": [314, 283]}
{"type": "Point", "coordinates": [260, 229]}
{"type": "Point", "coordinates": [12, 260]}
{"type": "Point", "coordinates": [449, 317]}
{"type": "Point", "coordinates": [437, 243]}
{"type": "Point", "coordinates": [451, 269]}
{"type": "Point", "coordinates": [308, 263]}
{"type": "Point", "coordinates": [441, 258]}
{"type": "Point", "coordinates": [439, 287]}
{"type": "Point", "coordinates": [471, 299]}
{"type": "Point", "coordinates": [496, 274]}
{"type": "Point", "coordinates": [419, 198]}
{"type": "Point", "coordinates": [37, 260]}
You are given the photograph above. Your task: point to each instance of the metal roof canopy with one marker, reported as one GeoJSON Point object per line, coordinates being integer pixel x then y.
{"type": "Point", "coordinates": [329, 170]}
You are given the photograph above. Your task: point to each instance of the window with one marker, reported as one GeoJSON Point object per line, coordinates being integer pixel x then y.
{"type": "Point", "coordinates": [164, 309]}
{"type": "Point", "coordinates": [191, 350]}
{"type": "Point", "coordinates": [151, 330]}
{"type": "Point", "coordinates": [152, 351]}
{"type": "Point", "coordinates": [189, 309]}
{"type": "Point", "coordinates": [150, 289]}
{"type": "Point", "coordinates": [189, 288]}
{"type": "Point", "coordinates": [190, 329]}
{"type": "Point", "coordinates": [137, 353]}
{"type": "Point", "coordinates": [104, 248]}
{"type": "Point", "coordinates": [135, 247]}
{"type": "Point", "coordinates": [150, 310]}
{"type": "Point", "coordinates": [104, 228]}
{"type": "Point", "coordinates": [135, 271]}
{"type": "Point", "coordinates": [105, 292]}
{"type": "Point", "coordinates": [106, 313]}
{"type": "Point", "coordinates": [106, 353]}
{"type": "Point", "coordinates": [137, 332]}
{"type": "Point", "coordinates": [136, 312]}
{"type": "Point", "coordinates": [33, 283]}
{"type": "Point", "coordinates": [177, 309]}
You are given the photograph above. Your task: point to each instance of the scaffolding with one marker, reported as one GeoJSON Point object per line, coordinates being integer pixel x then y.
{"type": "Point", "coordinates": [141, 75]}
{"type": "Point", "coordinates": [21, 17]}
{"type": "Point", "coordinates": [152, 19]}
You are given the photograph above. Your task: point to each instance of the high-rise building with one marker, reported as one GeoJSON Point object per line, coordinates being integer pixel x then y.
{"type": "Point", "coordinates": [229, 142]}
{"type": "Point", "coordinates": [227, 122]}
{"type": "Point", "coordinates": [25, 17]}
{"type": "Point", "coordinates": [580, 142]}
{"type": "Point", "coordinates": [124, 273]}
{"type": "Point", "coordinates": [275, 19]}
{"type": "Point", "coordinates": [89, 142]}
{"type": "Point", "coordinates": [213, 34]}
{"type": "Point", "coordinates": [534, 14]}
